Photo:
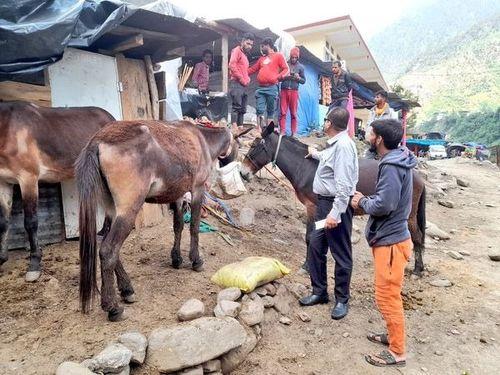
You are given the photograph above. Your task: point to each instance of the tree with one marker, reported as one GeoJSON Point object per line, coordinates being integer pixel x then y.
{"type": "Point", "coordinates": [407, 94]}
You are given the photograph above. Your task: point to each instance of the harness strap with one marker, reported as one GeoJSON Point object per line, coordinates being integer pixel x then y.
{"type": "Point", "coordinates": [277, 150]}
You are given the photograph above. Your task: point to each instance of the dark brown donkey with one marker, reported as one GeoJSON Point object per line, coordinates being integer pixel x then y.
{"type": "Point", "coordinates": [129, 163]}
{"type": "Point", "coordinates": [39, 145]}
{"type": "Point", "coordinates": [300, 172]}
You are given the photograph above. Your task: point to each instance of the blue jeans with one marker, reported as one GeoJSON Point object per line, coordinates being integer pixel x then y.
{"type": "Point", "coordinates": [265, 99]}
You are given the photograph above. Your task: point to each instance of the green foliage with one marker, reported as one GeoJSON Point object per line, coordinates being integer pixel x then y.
{"type": "Point", "coordinates": [409, 95]}
{"type": "Point", "coordinates": [404, 92]}
{"type": "Point", "coordinates": [428, 26]}
{"type": "Point", "coordinates": [481, 126]}
{"type": "Point", "coordinates": [451, 61]}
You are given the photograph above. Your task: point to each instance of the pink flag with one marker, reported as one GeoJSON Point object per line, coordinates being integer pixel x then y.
{"type": "Point", "coordinates": [350, 109]}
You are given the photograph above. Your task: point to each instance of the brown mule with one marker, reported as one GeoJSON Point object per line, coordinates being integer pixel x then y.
{"type": "Point", "coordinates": [123, 166]}
{"type": "Point", "coordinates": [39, 144]}
{"type": "Point", "coordinates": [300, 172]}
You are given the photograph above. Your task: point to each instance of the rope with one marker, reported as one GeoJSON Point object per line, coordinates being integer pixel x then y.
{"type": "Point", "coordinates": [277, 150]}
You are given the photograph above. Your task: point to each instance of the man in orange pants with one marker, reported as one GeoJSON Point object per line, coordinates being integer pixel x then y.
{"type": "Point", "coordinates": [387, 232]}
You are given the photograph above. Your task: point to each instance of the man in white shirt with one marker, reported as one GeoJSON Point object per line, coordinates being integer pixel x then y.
{"type": "Point", "coordinates": [334, 183]}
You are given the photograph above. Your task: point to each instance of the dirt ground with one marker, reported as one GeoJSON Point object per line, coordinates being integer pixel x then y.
{"type": "Point", "coordinates": [452, 330]}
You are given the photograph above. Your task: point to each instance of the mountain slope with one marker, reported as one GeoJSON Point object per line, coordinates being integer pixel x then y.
{"type": "Point", "coordinates": [464, 75]}
{"type": "Point", "coordinates": [426, 28]}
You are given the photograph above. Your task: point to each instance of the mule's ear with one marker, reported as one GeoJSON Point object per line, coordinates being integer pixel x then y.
{"type": "Point", "coordinates": [268, 130]}
{"type": "Point", "coordinates": [238, 133]}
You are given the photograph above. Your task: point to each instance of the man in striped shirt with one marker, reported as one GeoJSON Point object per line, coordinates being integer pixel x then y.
{"type": "Point", "coordinates": [334, 183]}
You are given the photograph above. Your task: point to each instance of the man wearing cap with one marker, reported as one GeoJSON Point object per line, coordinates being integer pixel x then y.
{"type": "Point", "coordinates": [289, 94]}
{"type": "Point", "coordinates": [334, 183]}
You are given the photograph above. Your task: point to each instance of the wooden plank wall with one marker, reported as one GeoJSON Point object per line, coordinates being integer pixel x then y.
{"type": "Point", "coordinates": [136, 104]}
{"type": "Point", "coordinates": [40, 95]}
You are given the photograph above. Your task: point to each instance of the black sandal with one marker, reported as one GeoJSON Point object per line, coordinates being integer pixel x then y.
{"type": "Point", "coordinates": [379, 338]}
{"type": "Point", "coordinates": [387, 357]}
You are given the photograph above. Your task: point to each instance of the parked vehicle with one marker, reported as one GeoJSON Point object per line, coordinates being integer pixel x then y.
{"type": "Point", "coordinates": [437, 152]}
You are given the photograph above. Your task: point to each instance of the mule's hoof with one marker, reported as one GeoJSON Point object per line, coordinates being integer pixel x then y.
{"type": "Point", "coordinates": [199, 267]}
{"type": "Point", "coordinates": [131, 298]}
{"type": "Point", "coordinates": [177, 263]}
{"type": "Point", "coordinates": [32, 276]}
{"type": "Point", "coordinates": [115, 314]}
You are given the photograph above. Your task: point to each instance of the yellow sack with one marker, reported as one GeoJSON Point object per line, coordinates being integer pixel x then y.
{"type": "Point", "coordinates": [250, 273]}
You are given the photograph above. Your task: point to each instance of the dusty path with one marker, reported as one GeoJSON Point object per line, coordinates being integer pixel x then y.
{"type": "Point", "coordinates": [40, 325]}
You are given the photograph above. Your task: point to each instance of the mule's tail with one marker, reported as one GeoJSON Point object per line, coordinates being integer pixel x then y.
{"type": "Point", "coordinates": [421, 220]}
{"type": "Point", "coordinates": [90, 189]}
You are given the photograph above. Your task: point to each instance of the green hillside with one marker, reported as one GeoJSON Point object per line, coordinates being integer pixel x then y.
{"type": "Point", "coordinates": [457, 78]}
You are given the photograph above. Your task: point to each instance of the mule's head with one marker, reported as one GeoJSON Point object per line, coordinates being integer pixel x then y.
{"type": "Point", "coordinates": [260, 154]}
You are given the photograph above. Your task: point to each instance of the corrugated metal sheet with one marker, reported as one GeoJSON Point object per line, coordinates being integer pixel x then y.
{"type": "Point", "coordinates": [50, 220]}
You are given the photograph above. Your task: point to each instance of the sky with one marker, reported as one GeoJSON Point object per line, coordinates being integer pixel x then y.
{"type": "Point", "coordinates": [370, 17]}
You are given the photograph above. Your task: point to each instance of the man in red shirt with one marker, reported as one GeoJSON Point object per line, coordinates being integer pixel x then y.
{"type": "Point", "coordinates": [238, 70]}
{"type": "Point", "coordinates": [271, 68]}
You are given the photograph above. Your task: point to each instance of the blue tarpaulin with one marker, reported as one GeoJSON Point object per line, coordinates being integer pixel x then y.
{"type": "Point", "coordinates": [309, 94]}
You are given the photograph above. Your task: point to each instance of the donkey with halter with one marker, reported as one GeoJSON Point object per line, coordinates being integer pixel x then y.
{"type": "Point", "coordinates": [126, 164]}
{"type": "Point", "coordinates": [39, 145]}
{"type": "Point", "coordinates": [289, 155]}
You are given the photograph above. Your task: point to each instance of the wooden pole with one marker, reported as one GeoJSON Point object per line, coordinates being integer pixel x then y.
{"type": "Point", "coordinates": [225, 63]}
{"type": "Point", "coordinates": [153, 90]}
{"type": "Point", "coordinates": [403, 121]}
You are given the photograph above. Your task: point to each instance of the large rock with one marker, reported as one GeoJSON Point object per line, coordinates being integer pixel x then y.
{"type": "Point", "coordinates": [268, 301]}
{"type": "Point", "coordinates": [212, 366]}
{"type": "Point", "coordinates": [433, 231]}
{"type": "Point", "coordinates": [447, 204]}
{"type": "Point", "coordinates": [463, 183]}
{"type": "Point", "coordinates": [112, 360]}
{"type": "Point", "coordinates": [191, 309]}
{"type": "Point", "coordinates": [229, 294]}
{"type": "Point", "coordinates": [198, 370]}
{"type": "Point", "coordinates": [455, 255]}
{"type": "Point", "coordinates": [270, 288]}
{"type": "Point", "coordinates": [252, 312]}
{"type": "Point", "coordinates": [227, 308]}
{"type": "Point", "coordinates": [125, 371]}
{"type": "Point", "coordinates": [299, 290]}
{"type": "Point", "coordinates": [283, 300]}
{"type": "Point", "coordinates": [441, 283]}
{"type": "Point", "coordinates": [231, 360]}
{"type": "Point", "coordinates": [72, 368]}
{"type": "Point", "coordinates": [137, 343]}
{"type": "Point", "coordinates": [193, 343]}
{"type": "Point", "coordinates": [261, 291]}
{"type": "Point", "coordinates": [494, 257]}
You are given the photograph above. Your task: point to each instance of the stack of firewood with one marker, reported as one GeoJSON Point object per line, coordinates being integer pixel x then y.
{"type": "Point", "coordinates": [184, 77]}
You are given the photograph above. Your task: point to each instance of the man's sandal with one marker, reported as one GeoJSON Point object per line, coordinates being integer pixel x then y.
{"type": "Point", "coordinates": [379, 338]}
{"type": "Point", "coordinates": [384, 359]}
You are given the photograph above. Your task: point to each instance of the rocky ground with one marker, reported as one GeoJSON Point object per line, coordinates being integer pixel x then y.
{"type": "Point", "coordinates": [451, 330]}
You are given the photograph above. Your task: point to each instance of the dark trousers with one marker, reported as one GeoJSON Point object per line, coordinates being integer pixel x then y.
{"type": "Point", "coordinates": [239, 102]}
{"type": "Point", "coordinates": [339, 242]}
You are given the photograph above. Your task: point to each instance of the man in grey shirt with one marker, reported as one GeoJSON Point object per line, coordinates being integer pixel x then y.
{"type": "Point", "coordinates": [334, 183]}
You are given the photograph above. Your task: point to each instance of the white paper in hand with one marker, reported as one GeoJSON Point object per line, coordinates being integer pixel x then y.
{"type": "Point", "coordinates": [320, 224]}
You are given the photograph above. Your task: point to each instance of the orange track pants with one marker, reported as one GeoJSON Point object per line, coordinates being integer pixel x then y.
{"type": "Point", "coordinates": [390, 262]}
